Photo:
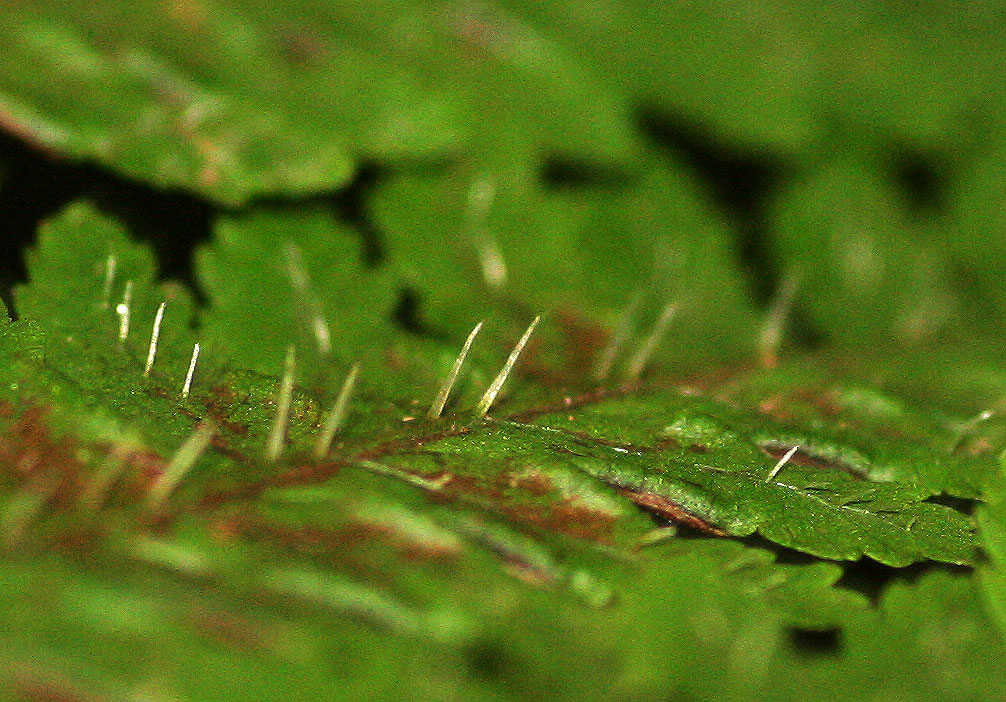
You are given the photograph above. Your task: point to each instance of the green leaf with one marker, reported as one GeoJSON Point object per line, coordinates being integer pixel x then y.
{"type": "Point", "coordinates": [20, 343]}
{"type": "Point", "coordinates": [890, 74]}
{"type": "Point", "coordinates": [929, 637]}
{"type": "Point", "coordinates": [865, 272]}
{"type": "Point", "coordinates": [220, 99]}
{"type": "Point", "coordinates": [705, 473]}
{"type": "Point", "coordinates": [410, 535]}
{"type": "Point", "coordinates": [572, 470]}
{"type": "Point", "coordinates": [264, 618]}
{"type": "Point", "coordinates": [80, 269]}
{"type": "Point", "coordinates": [243, 488]}
{"type": "Point", "coordinates": [495, 240]}
{"type": "Point", "coordinates": [276, 278]}
{"type": "Point", "coordinates": [992, 522]}
{"type": "Point", "coordinates": [977, 201]}
{"type": "Point", "coordinates": [709, 73]}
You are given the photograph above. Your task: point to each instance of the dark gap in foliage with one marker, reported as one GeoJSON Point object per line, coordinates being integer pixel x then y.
{"type": "Point", "coordinates": [739, 180]}
{"type": "Point", "coordinates": [681, 531]}
{"type": "Point", "coordinates": [489, 660]}
{"type": "Point", "coordinates": [811, 644]}
{"type": "Point", "coordinates": [741, 183]}
{"type": "Point", "coordinates": [172, 223]}
{"type": "Point", "coordinates": [961, 504]}
{"type": "Point", "coordinates": [920, 177]}
{"type": "Point", "coordinates": [666, 512]}
{"type": "Point", "coordinates": [871, 579]}
{"type": "Point", "coordinates": [38, 186]}
{"type": "Point", "coordinates": [865, 576]}
{"type": "Point", "coordinates": [661, 522]}
{"type": "Point", "coordinates": [567, 172]}
{"type": "Point", "coordinates": [350, 205]}
{"type": "Point", "coordinates": [408, 312]}
{"type": "Point", "coordinates": [34, 187]}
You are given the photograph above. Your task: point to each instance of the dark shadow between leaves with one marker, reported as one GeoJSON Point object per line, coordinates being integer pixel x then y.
{"type": "Point", "coordinates": [872, 579]}
{"type": "Point", "coordinates": [34, 187]}
{"type": "Point", "coordinates": [409, 316]}
{"type": "Point", "coordinates": [489, 660]}
{"type": "Point", "coordinates": [348, 205]}
{"type": "Point", "coordinates": [865, 576]}
{"type": "Point", "coordinates": [560, 172]}
{"type": "Point", "coordinates": [39, 185]}
{"type": "Point", "coordinates": [808, 643]}
{"type": "Point", "coordinates": [920, 177]}
{"type": "Point", "coordinates": [961, 504]}
{"type": "Point", "coordinates": [741, 182]}
{"type": "Point", "coordinates": [783, 555]}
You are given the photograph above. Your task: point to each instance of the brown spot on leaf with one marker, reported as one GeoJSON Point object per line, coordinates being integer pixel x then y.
{"type": "Point", "coordinates": [350, 544]}
{"type": "Point", "coordinates": [534, 483]}
{"type": "Point", "coordinates": [348, 550]}
{"type": "Point", "coordinates": [189, 14]}
{"type": "Point", "coordinates": [51, 473]}
{"type": "Point", "coordinates": [575, 519]}
{"type": "Point", "coordinates": [226, 529]}
{"type": "Point", "coordinates": [147, 464]}
{"type": "Point", "coordinates": [227, 628]}
{"type": "Point", "coordinates": [776, 451]}
{"type": "Point", "coordinates": [568, 516]}
{"type": "Point", "coordinates": [218, 405]}
{"type": "Point", "coordinates": [475, 34]}
{"type": "Point", "coordinates": [785, 406]}
{"type": "Point", "coordinates": [825, 402]}
{"type": "Point", "coordinates": [302, 46]}
{"type": "Point", "coordinates": [671, 511]}
{"type": "Point", "coordinates": [223, 395]}
{"type": "Point", "coordinates": [30, 685]}
{"type": "Point", "coordinates": [527, 573]}
{"type": "Point", "coordinates": [565, 405]}
{"type": "Point", "coordinates": [774, 406]}
{"type": "Point", "coordinates": [39, 462]}
{"type": "Point", "coordinates": [394, 359]}
{"type": "Point", "coordinates": [585, 339]}
{"type": "Point", "coordinates": [974, 446]}
{"type": "Point", "coordinates": [535, 365]}
{"type": "Point", "coordinates": [223, 447]}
